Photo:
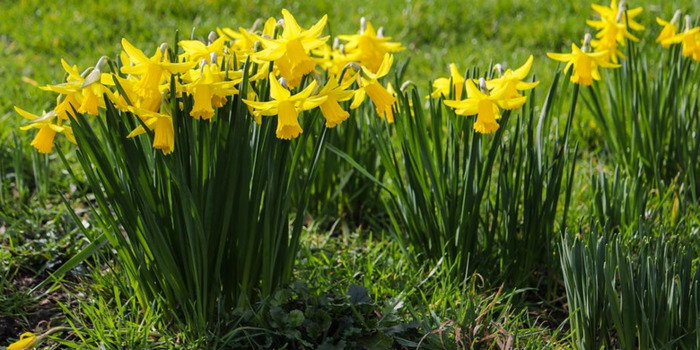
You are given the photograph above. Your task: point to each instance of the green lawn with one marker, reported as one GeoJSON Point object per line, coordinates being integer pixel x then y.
{"type": "Point", "coordinates": [37, 233]}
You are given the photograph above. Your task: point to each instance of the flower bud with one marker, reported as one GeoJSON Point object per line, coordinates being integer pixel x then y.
{"type": "Point", "coordinates": [283, 82]}
{"type": "Point", "coordinates": [363, 25]}
{"type": "Point", "coordinates": [676, 17]}
{"type": "Point", "coordinates": [499, 69]}
{"type": "Point", "coordinates": [101, 62]}
{"type": "Point", "coordinates": [96, 73]}
{"type": "Point", "coordinates": [621, 8]}
{"type": "Point", "coordinates": [255, 25]}
{"type": "Point", "coordinates": [587, 43]}
{"type": "Point", "coordinates": [380, 32]}
{"type": "Point", "coordinates": [211, 37]}
{"type": "Point", "coordinates": [482, 86]}
{"type": "Point", "coordinates": [212, 57]}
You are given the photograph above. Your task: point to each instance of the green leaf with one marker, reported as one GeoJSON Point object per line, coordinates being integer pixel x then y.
{"type": "Point", "coordinates": [358, 294]}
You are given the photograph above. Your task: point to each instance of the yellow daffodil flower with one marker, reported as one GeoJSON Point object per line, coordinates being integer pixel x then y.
{"type": "Point", "coordinates": [127, 84]}
{"type": "Point", "coordinates": [445, 86]}
{"type": "Point", "coordinates": [382, 99]}
{"type": "Point", "coordinates": [151, 71]}
{"type": "Point", "coordinates": [67, 105]}
{"type": "Point", "coordinates": [690, 39]}
{"type": "Point", "coordinates": [196, 50]}
{"type": "Point", "coordinates": [87, 91]}
{"type": "Point", "coordinates": [290, 51]}
{"type": "Point", "coordinates": [670, 29]}
{"type": "Point", "coordinates": [243, 40]}
{"type": "Point", "coordinates": [619, 12]}
{"type": "Point", "coordinates": [369, 46]}
{"type": "Point", "coordinates": [614, 24]}
{"type": "Point", "coordinates": [512, 81]}
{"type": "Point", "coordinates": [162, 126]}
{"type": "Point", "coordinates": [334, 60]}
{"type": "Point", "coordinates": [584, 63]}
{"type": "Point", "coordinates": [287, 107]}
{"type": "Point", "coordinates": [49, 125]}
{"type": "Point", "coordinates": [209, 89]}
{"type": "Point", "coordinates": [70, 97]}
{"type": "Point", "coordinates": [486, 105]}
{"type": "Point", "coordinates": [29, 340]}
{"type": "Point", "coordinates": [26, 341]}
{"type": "Point", "coordinates": [335, 92]}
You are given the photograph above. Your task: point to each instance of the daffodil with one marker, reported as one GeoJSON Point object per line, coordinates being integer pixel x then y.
{"type": "Point", "coordinates": [584, 63]}
{"type": "Point", "coordinates": [335, 92]}
{"type": "Point", "coordinates": [209, 89]}
{"type": "Point", "coordinates": [614, 24]}
{"type": "Point", "coordinates": [162, 126]}
{"type": "Point", "coordinates": [196, 50]}
{"type": "Point", "coordinates": [67, 105]}
{"type": "Point", "coordinates": [382, 99]}
{"type": "Point", "coordinates": [670, 29]}
{"type": "Point", "coordinates": [690, 39]}
{"type": "Point", "coordinates": [26, 341]}
{"type": "Point", "coordinates": [49, 125]}
{"type": "Point", "coordinates": [290, 51]}
{"type": "Point", "coordinates": [151, 71]}
{"type": "Point", "coordinates": [243, 40]}
{"type": "Point", "coordinates": [485, 104]}
{"type": "Point", "coordinates": [369, 46]}
{"type": "Point", "coordinates": [93, 90]}
{"type": "Point", "coordinates": [445, 86]}
{"type": "Point", "coordinates": [123, 102]}
{"type": "Point", "coordinates": [287, 107]}
{"type": "Point", "coordinates": [81, 94]}
{"type": "Point", "coordinates": [29, 340]}
{"type": "Point", "coordinates": [70, 97]}
{"type": "Point", "coordinates": [619, 12]}
{"type": "Point", "coordinates": [512, 81]}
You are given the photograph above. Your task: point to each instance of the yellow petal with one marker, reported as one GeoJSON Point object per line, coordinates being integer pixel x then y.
{"type": "Point", "coordinates": [277, 91]}
{"type": "Point", "coordinates": [137, 56]}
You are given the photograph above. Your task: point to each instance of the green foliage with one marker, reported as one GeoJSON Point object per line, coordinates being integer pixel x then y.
{"type": "Point", "coordinates": [649, 117]}
{"type": "Point", "coordinates": [339, 192]}
{"type": "Point", "coordinates": [534, 162]}
{"type": "Point", "coordinates": [439, 174]}
{"type": "Point", "coordinates": [113, 319]}
{"type": "Point", "coordinates": [302, 319]}
{"type": "Point", "coordinates": [625, 297]}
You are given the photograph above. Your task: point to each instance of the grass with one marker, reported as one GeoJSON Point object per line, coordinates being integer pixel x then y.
{"type": "Point", "coordinates": [341, 272]}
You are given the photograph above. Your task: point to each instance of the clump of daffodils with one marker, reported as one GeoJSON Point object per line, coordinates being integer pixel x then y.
{"type": "Point", "coordinates": [689, 38]}
{"type": "Point", "coordinates": [584, 61]}
{"type": "Point", "coordinates": [288, 69]}
{"type": "Point", "coordinates": [485, 98]}
{"type": "Point", "coordinates": [614, 29]}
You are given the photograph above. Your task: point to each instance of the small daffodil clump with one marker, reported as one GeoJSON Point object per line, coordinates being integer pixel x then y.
{"type": "Point", "coordinates": [285, 69]}
{"type": "Point", "coordinates": [485, 98]}
{"type": "Point", "coordinates": [614, 27]}
{"type": "Point", "coordinates": [584, 61]}
{"type": "Point", "coordinates": [689, 38]}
